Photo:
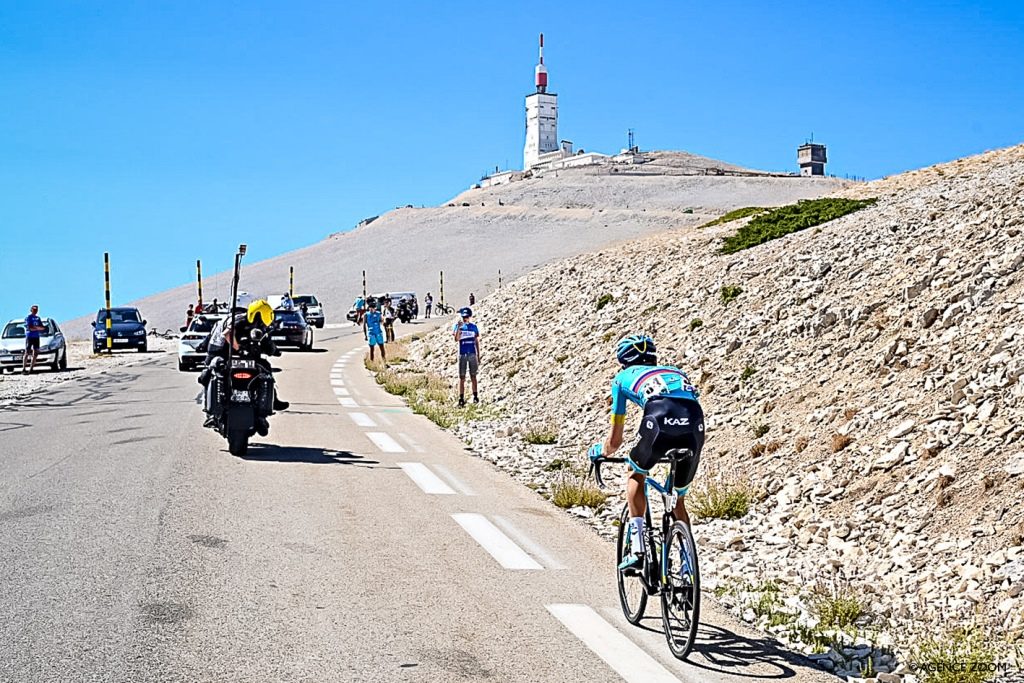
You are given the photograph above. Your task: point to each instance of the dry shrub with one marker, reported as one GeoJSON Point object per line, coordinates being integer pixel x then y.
{"type": "Point", "coordinates": [773, 446]}
{"type": "Point", "coordinates": [757, 450]}
{"type": "Point", "coordinates": [801, 444]}
{"type": "Point", "coordinates": [840, 441]}
{"type": "Point", "coordinates": [850, 413]}
{"type": "Point", "coordinates": [943, 497]}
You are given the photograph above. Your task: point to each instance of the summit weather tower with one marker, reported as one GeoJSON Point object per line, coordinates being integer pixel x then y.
{"type": "Point", "coordinates": [541, 117]}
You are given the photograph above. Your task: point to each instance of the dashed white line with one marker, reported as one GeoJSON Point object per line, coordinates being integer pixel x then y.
{"type": "Point", "coordinates": [624, 656]}
{"type": "Point", "coordinates": [340, 391]}
{"type": "Point", "coordinates": [425, 479]}
{"type": "Point", "coordinates": [385, 419]}
{"type": "Point", "coordinates": [453, 480]}
{"type": "Point", "coordinates": [528, 543]}
{"type": "Point", "coordinates": [385, 442]}
{"type": "Point", "coordinates": [337, 380]}
{"type": "Point", "coordinates": [501, 547]}
{"type": "Point", "coordinates": [362, 420]}
{"type": "Point", "coordinates": [409, 440]}
{"type": "Point", "coordinates": [347, 402]}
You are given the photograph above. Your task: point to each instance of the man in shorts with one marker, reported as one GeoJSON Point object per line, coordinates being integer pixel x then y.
{"type": "Point", "coordinates": [34, 329]}
{"type": "Point", "coordinates": [372, 332]}
{"type": "Point", "coordinates": [672, 419]}
{"type": "Point", "coordinates": [467, 334]}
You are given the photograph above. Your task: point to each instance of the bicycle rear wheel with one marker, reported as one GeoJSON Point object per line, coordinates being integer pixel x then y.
{"type": "Point", "coordinates": [632, 592]}
{"type": "Point", "coordinates": [680, 596]}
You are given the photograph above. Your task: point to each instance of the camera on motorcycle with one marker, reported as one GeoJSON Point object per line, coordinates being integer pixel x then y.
{"type": "Point", "coordinates": [256, 334]}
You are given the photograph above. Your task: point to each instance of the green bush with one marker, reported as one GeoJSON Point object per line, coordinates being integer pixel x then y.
{"type": "Point", "coordinates": [729, 292]}
{"type": "Point", "coordinates": [604, 300]}
{"type": "Point", "coordinates": [759, 429]}
{"type": "Point", "coordinates": [784, 220]}
{"type": "Point", "coordinates": [962, 655]}
{"type": "Point", "coordinates": [747, 373]}
{"type": "Point", "coordinates": [837, 608]}
{"type": "Point", "coordinates": [695, 323]}
{"type": "Point", "coordinates": [735, 215]}
{"type": "Point", "coordinates": [540, 435]}
{"type": "Point", "coordinates": [571, 492]}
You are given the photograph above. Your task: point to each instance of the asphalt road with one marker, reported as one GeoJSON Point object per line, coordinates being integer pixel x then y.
{"type": "Point", "coordinates": [356, 543]}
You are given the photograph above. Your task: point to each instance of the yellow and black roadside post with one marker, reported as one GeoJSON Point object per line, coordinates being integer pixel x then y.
{"type": "Point", "coordinates": [499, 278]}
{"type": "Point", "coordinates": [291, 282]}
{"type": "Point", "coordinates": [364, 284]}
{"type": "Point", "coordinates": [441, 291]}
{"type": "Point", "coordinates": [106, 291]}
{"type": "Point", "coordinates": [199, 284]}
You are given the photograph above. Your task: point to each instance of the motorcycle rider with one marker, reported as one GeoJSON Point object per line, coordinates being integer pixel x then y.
{"type": "Point", "coordinates": [258, 315]}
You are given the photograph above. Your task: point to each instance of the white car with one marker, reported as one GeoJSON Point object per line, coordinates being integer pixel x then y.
{"type": "Point", "coordinates": [314, 309]}
{"type": "Point", "coordinates": [191, 346]}
{"type": "Point", "coordinates": [53, 350]}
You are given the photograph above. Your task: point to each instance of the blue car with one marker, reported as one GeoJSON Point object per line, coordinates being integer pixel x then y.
{"type": "Point", "coordinates": [127, 330]}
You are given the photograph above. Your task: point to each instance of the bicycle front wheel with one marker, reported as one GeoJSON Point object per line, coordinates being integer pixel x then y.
{"type": "Point", "coordinates": [680, 595]}
{"type": "Point", "coordinates": [632, 592]}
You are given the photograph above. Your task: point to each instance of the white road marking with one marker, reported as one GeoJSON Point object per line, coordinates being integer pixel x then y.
{"type": "Point", "coordinates": [337, 381]}
{"type": "Point", "coordinates": [534, 548]}
{"type": "Point", "coordinates": [340, 391]}
{"type": "Point", "coordinates": [425, 479]}
{"type": "Point", "coordinates": [362, 420]}
{"type": "Point", "coordinates": [501, 547]}
{"type": "Point", "coordinates": [385, 419]}
{"type": "Point", "coordinates": [454, 481]}
{"type": "Point", "coordinates": [624, 656]}
{"type": "Point", "coordinates": [412, 444]}
{"type": "Point", "coordinates": [347, 402]}
{"type": "Point", "coordinates": [385, 442]}
{"type": "Point", "coordinates": [334, 326]}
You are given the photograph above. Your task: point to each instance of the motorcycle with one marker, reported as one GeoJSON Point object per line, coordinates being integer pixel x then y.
{"type": "Point", "coordinates": [404, 311]}
{"type": "Point", "coordinates": [240, 394]}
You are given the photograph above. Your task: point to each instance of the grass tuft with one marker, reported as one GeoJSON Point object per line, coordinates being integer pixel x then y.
{"type": "Point", "coordinates": [759, 429]}
{"type": "Point", "coordinates": [837, 608]}
{"type": "Point", "coordinates": [784, 220]}
{"type": "Point", "coordinates": [570, 492]}
{"type": "Point", "coordinates": [729, 292]}
{"type": "Point", "coordinates": [721, 500]}
{"type": "Point", "coordinates": [747, 373]}
{"type": "Point", "coordinates": [961, 655]}
{"type": "Point", "coordinates": [604, 300]}
{"type": "Point", "coordinates": [695, 323]}
{"type": "Point", "coordinates": [541, 435]}
{"type": "Point", "coordinates": [840, 441]}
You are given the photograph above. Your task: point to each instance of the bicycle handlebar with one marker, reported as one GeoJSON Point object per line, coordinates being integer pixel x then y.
{"type": "Point", "coordinates": [595, 468]}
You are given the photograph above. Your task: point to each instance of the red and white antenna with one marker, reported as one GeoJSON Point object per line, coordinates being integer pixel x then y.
{"type": "Point", "coordinates": [541, 72]}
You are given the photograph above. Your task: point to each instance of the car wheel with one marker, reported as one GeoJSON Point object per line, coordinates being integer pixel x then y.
{"type": "Point", "coordinates": [182, 366]}
{"type": "Point", "coordinates": [63, 365]}
{"type": "Point", "coordinates": [141, 349]}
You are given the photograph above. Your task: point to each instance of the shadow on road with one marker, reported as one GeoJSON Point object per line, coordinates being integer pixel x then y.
{"type": "Point", "coordinates": [268, 452]}
{"type": "Point", "coordinates": [724, 652]}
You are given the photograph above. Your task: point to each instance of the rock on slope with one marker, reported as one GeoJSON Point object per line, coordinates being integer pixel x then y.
{"type": "Point", "coordinates": [867, 379]}
{"type": "Point", "coordinates": [513, 227]}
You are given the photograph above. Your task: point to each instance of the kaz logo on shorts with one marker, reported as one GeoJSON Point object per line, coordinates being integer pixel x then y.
{"type": "Point", "coordinates": [677, 421]}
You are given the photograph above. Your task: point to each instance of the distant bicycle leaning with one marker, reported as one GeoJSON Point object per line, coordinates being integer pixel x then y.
{"type": "Point", "coordinates": [656, 560]}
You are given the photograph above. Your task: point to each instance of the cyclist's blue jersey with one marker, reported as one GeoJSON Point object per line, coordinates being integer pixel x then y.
{"type": "Point", "coordinates": [639, 383]}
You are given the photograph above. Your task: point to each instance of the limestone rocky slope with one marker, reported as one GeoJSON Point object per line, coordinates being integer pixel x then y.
{"type": "Point", "coordinates": [867, 380]}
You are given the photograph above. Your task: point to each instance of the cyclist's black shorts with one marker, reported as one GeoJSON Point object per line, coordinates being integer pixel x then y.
{"type": "Point", "coordinates": [669, 423]}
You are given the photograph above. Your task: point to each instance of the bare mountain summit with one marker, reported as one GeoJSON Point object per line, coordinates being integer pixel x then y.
{"type": "Point", "coordinates": [514, 228]}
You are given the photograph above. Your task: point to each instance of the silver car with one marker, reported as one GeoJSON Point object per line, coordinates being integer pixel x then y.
{"type": "Point", "coordinates": [53, 350]}
{"type": "Point", "coordinates": [192, 344]}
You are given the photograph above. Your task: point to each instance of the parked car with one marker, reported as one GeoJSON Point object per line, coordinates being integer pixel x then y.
{"type": "Point", "coordinates": [53, 350]}
{"type": "Point", "coordinates": [193, 341]}
{"type": "Point", "coordinates": [291, 329]}
{"type": "Point", "coordinates": [314, 309]}
{"type": "Point", "coordinates": [127, 329]}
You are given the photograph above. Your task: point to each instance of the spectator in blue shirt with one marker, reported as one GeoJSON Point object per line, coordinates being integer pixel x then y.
{"type": "Point", "coordinates": [34, 329]}
{"type": "Point", "coordinates": [373, 333]}
{"type": "Point", "coordinates": [467, 334]}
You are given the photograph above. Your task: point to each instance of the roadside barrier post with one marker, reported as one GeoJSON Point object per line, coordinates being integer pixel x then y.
{"type": "Point", "coordinates": [364, 284]}
{"type": "Point", "coordinates": [106, 293]}
{"type": "Point", "coordinates": [291, 281]}
{"type": "Point", "coordinates": [442, 288]}
{"type": "Point", "coordinates": [499, 278]}
{"type": "Point", "coordinates": [199, 284]}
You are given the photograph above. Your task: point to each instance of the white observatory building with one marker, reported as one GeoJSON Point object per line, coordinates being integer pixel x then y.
{"type": "Point", "coordinates": [541, 117]}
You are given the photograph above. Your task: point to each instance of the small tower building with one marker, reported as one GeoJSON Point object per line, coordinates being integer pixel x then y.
{"type": "Point", "coordinates": [812, 159]}
{"type": "Point", "coordinates": [541, 117]}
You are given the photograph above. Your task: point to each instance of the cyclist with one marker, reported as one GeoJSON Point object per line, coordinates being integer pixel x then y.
{"type": "Point", "coordinates": [672, 418]}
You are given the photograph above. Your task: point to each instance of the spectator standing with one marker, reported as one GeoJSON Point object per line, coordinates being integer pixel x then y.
{"type": "Point", "coordinates": [428, 303]}
{"type": "Point", "coordinates": [472, 299]}
{"type": "Point", "coordinates": [213, 308]}
{"type": "Point", "coordinates": [286, 302]}
{"type": "Point", "coordinates": [467, 335]}
{"type": "Point", "coordinates": [389, 322]}
{"type": "Point", "coordinates": [34, 329]}
{"type": "Point", "coordinates": [372, 332]}
{"type": "Point", "coordinates": [189, 314]}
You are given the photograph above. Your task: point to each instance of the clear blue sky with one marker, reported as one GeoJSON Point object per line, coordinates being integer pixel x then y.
{"type": "Point", "coordinates": [169, 131]}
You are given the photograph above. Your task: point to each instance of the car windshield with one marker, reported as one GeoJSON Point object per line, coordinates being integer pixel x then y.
{"type": "Point", "coordinates": [308, 300]}
{"type": "Point", "coordinates": [288, 317]}
{"type": "Point", "coordinates": [16, 330]}
{"type": "Point", "coordinates": [203, 324]}
{"type": "Point", "coordinates": [116, 316]}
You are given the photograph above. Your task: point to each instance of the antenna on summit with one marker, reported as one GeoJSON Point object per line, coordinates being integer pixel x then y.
{"type": "Point", "coordinates": [541, 72]}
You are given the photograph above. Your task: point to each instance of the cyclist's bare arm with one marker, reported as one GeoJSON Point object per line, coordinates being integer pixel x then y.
{"type": "Point", "coordinates": [614, 440]}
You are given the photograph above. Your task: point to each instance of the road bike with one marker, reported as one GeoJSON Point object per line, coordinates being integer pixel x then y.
{"type": "Point", "coordinates": [442, 309]}
{"type": "Point", "coordinates": [669, 566]}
